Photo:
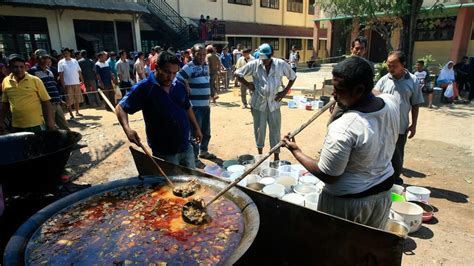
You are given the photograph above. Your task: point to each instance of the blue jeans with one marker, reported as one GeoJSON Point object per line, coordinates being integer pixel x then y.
{"type": "Point", "coordinates": [185, 159]}
{"type": "Point", "coordinates": [203, 117]}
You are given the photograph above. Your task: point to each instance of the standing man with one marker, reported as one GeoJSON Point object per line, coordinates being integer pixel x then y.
{"type": "Point", "coordinates": [105, 77]}
{"type": "Point", "coordinates": [167, 112]}
{"type": "Point", "coordinates": [405, 87]}
{"type": "Point", "coordinates": [196, 73]}
{"type": "Point", "coordinates": [139, 67]}
{"type": "Point", "coordinates": [236, 55]}
{"type": "Point", "coordinates": [123, 72]}
{"type": "Point", "coordinates": [70, 76]}
{"type": "Point", "coordinates": [87, 67]}
{"type": "Point", "coordinates": [423, 77]}
{"type": "Point", "coordinates": [111, 62]}
{"type": "Point", "coordinates": [26, 98]}
{"type": "Point", "coordinates": [215, 66]}
{"type": "Point", "coordinates": [294, 58]}
{"type": "Point", "coordinates": [226, 61]}
{"type": "Point", "coordinates": [267, 73]}
{"type": "Point", "coordinates": [42, 71]}
{"type": "Point", "coordinates": [246, 57]}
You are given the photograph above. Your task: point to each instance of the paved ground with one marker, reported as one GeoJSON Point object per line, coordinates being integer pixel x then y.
{"type": "Point", "coordinates": [439, 157]}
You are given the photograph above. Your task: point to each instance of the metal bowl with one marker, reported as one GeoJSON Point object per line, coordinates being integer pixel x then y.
{"type": "Point", "coordinates": [397, 227]}
{"type": "Point", "coordinates": [15, 249]}
{"type": "Point", "coordinates": [246, 159]}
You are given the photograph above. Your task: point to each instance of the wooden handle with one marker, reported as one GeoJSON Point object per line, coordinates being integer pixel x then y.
{"type": "Point", "coordinates": [111, 106]}
{"type": "Point", "coordinates": [156, 164]}
{"type": "Point", "coordinates": [272, 150]}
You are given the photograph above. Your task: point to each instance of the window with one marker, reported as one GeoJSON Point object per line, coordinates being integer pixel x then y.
{"type": "Point", "coordinates": [23, 35]}
{"type": "Point", "coordinates": [296, 42]}
{"type": "Point", "coordinates": [431, 29]}
{"type": "Point", "coordinates": [94, 36]}
{"type": "Point", "coordinates": [241, 2]}
{"type": "Point", "coordinates": [245, 42]}
{"type": "Point", "coordinates": [311, 7]}
{"type": "Point", "coordinates": [310, 44]}
{"type": "Point", "coordinates": [274, 42]}
{"type": "Point", "coordinates": [270, 4]}
{"type": "Point", "coordinates": [295, 6]}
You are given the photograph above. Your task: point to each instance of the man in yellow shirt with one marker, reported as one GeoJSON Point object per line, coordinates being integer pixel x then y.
{"type": "Point", "coordinates": [25, 96]}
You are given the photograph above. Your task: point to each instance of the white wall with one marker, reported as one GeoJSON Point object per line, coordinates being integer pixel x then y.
{"type": "Point", "coordinates": [61, 26]}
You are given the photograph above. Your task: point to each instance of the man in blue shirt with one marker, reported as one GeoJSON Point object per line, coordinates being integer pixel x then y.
{"type": "Point", "coordinates": [111, 62]}
{"type": "Point", "coordinates": [226, 61]}
{"type": "Point", "coordinates": [196, 74]}
{"type": "Point", "coordinates": [42, 71]}
{"type": "Point", "coordinates": [167, 112]}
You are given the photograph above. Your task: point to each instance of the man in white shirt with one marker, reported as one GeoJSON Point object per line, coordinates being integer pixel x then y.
{"type": "Point", "coordinates": [71, 78]}
{"type": "Point", "coordinates": [243, 60]}
{"type": "Point", "coordinates": [294, 58]}
{"type": "Point", "coordinates": [267, 73]}
{"type": "Point", "coordinates": [355, 158]}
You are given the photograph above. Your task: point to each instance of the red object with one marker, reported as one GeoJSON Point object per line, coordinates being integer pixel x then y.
{"type": "Point", "coordinates": [83, 88]}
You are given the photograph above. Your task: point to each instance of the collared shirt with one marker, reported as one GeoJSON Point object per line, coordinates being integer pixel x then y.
{"type": "Point", "coordinates": [407, 90]}
{"type": "Point", "coordinates": [47, 77]}
{"type": "Point", "coordinates": [25, 99]}
{"type": "Point", "coordinates": [104, 72]}
{"type": "Point", "coordinates": [112, 63]}
{"type": "Point", "coordinates": [123, 69]}
{"type": "Point", "coordinates": [87, 68]}
{"type": "Point", "coordinates": [266, 85]}
{"type": "Point", "coordinates": [226, 60]}
{"type": "Point", "coordinates": [242, 62]}
{"type": "Point", "coordinates": [165, 114]}
{"type": "Point", "coordinates": [198, 79]}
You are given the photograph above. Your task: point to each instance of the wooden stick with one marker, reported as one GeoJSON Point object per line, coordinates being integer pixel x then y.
{"type": "Point", "coordinates": [141, 145]}
{"type": "Point", "coordinates": [156, 164]}
{"type": "Point", "coordinates": [294, 133]}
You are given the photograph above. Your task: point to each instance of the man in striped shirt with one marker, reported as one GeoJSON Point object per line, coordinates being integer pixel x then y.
{"type": "Point", "coordinates": [267, 73]}
{"type": "Point", "coordinates": [196, 74]}
{"type": "Point", "coordinates": [42, 71]}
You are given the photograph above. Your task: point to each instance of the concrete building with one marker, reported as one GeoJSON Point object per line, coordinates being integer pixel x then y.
{"type": "Point", "coordinates": [449, 36]}
{"type": "Point", "coordinates": [252, 22]}
{"type": "Point", "coordinates": [93, 25]}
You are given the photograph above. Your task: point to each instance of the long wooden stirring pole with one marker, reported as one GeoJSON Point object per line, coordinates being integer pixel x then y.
{"type": "Point", "coordinates": [141, 145]}
{"type": "Point", "coordinates": [272, 150]}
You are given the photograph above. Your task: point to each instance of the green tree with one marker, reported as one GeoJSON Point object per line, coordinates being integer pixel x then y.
{"type": "Point", "coordinates": [384, 17]}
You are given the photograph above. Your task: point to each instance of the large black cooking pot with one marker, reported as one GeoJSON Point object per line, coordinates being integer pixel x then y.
{"type": "Point", "coordinates": [34, 162]}
{"type": "Point", "coordinates": [15, 249]}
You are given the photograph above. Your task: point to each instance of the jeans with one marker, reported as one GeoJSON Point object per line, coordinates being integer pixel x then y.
{"type": "Point", "coordinates": [260, 120]}
{"type": "Point", "coordinates": [397, 159]}
{"type": "Point", "coordinates": [203, 117]}
{"type": "Point", "coordinates": [185, 159]}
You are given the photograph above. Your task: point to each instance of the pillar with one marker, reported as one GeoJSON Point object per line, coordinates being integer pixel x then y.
{"type": "Point", "coordinates": [462, 33]}
{"type": "Point", "coordinates": [316, 31]}
{"type": "Point", "coordinates": [329, 38]}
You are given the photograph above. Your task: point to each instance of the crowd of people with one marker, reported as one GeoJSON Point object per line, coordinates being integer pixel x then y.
{"type": "Point", "coordinates": [363, 151]}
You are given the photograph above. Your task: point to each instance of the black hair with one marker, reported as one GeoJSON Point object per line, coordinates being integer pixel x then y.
{"type": "Point", "coordinates": [361, 40]}
{"type": "Point", "coordinates": [121, 52]}
{"type": "Point", "coordinates": [83, 53]}
{"type": "Point", "coordinates": [225, 47]}
{"type": "Point", "coordinates": [247, 50]}
{"type": "Point", "coordinates": [420, 62]}
{"type": "Point", "coordinates": [197, 47]}
{"type": "Point", "coordinates": [140, 54]}
{"type": "Point", "coordinates": [355, 71]}
{"type": "Point", "coordinates": [400, 55]}
{"type": "Point", "coordinates": [167, 57]}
